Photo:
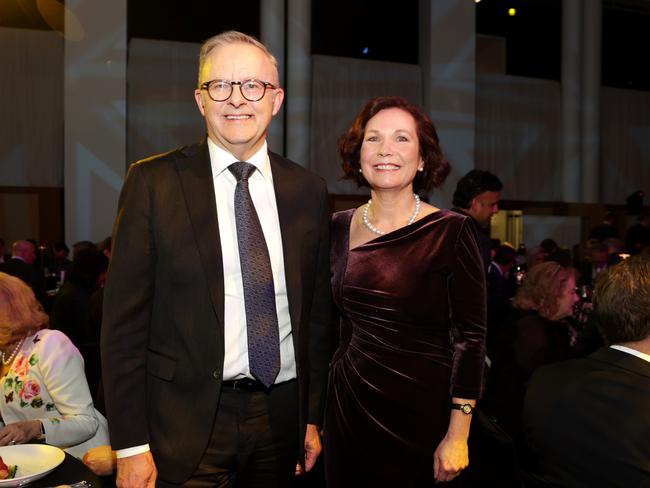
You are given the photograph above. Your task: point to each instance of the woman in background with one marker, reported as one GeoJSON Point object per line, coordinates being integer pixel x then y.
{"type": "Point", "coordinates": [45, 395]}
{"type": "Point", "coordinates": [409, 284]}
{"type": "Point", "coordinates": [537, 333]}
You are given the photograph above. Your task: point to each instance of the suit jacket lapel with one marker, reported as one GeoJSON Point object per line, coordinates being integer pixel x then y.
{"type": "Point", "coordinates": [287, 191]}
{"type": "Point", "coordinates": [195, 174]}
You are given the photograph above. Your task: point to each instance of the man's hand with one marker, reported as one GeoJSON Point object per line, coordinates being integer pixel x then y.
{"type": "Point", "coordinates": [101, 460]}
{"type": "Point", "coordinates": [138, 471]}
{"type": "Point", "coordinates": [312, 449]}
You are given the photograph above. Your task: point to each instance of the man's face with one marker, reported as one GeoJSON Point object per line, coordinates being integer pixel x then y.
{"type": "Point", "coordinates": [30, 253]}
{"type": "Point", "coordinates": [238, 125]}
{"type": "Point", "coordinates": [483, 206]}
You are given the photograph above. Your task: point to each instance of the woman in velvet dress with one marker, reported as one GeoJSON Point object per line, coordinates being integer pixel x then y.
{"type": "Point", "coordinates": [408, 282]}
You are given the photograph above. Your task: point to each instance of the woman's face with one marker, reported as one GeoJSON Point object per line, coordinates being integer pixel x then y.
{"type": "Point", "coordinates": [390, 152]}
{"type": "Point", "coordinates": [567, 299]}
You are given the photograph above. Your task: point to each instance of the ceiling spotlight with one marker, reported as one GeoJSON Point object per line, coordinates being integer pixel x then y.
{"type": "Point", "coordinates": [512, 12]}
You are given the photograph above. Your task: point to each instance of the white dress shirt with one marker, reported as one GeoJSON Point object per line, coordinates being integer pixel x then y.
{"type": "Point", "coordinates": [631, 351]}
{"type": "Point", "coordinates": [263, 194]}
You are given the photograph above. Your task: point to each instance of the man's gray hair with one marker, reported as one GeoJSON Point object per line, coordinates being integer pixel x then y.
{"type": "Point", "coordinates": [232, 37]}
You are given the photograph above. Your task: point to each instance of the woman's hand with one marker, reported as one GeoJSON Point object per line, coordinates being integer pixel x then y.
{"type": "Point", "coordinates": [450, 458]}
{"type": "Point", "coordinates": [20, 432]}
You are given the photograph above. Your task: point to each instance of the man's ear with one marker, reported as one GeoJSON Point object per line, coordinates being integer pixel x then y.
{"type": "Point", "coordinates": [278, 98]}
{"type": "Point", "coordinates": [198, 97]}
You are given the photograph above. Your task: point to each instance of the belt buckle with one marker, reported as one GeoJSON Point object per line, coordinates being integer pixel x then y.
{"type": "Point", "coordinates": [241, 384]}
{"type": "Point", "coordinates": [245, 384]}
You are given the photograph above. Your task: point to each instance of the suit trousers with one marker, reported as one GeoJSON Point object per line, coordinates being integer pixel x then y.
{"type": "Point", "coordinates": [254, 439]}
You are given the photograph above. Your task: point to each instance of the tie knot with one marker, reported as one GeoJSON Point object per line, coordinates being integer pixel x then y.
{"type": "Point", "coordinates": [242, 170]}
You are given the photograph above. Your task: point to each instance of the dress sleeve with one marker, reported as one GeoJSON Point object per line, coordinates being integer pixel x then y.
{"type": "Point", "coordinates": [62, 370]}
{"type": "Point", "coordinates": [467, 297]}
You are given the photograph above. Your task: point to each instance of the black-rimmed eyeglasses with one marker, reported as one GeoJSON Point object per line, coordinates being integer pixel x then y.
{"type": "Point", "coordinates": [252, 90]}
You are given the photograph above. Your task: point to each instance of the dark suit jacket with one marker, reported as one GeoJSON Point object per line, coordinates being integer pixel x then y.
{"type": "Point", "coordinates": [484, 241]}
{"type": "Point", "coordinates": [162, 333]}
{"type": "Point", "coordinates": [588, 421]}
{"type": "Point", "coordinates": [29, 274]}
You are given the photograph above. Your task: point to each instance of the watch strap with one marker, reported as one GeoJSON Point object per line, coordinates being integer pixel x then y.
{"type": "Point", "coordinates": [466, 408]}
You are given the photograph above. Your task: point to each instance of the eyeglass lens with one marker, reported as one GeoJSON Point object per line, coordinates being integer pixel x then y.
{"type": "Point", "coordinates": [251, 90]}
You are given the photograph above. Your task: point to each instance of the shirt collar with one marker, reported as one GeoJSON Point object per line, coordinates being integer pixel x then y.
{"type": "Point", "coordinates": [629, 350]}
{"type": "Point", "coordinates": [221, 159]}
{"type": "Point", "coordinates": [494, 265]}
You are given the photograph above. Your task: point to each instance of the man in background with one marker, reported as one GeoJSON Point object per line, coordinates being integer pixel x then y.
{"type": "Point", "coordinates": [477, 195]}
{"type": "Point", "coordinates": [21, 265]}
{"type": "Point", "coordinates": [587, 420]}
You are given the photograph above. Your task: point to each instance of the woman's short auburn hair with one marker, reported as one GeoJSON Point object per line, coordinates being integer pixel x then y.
{"type": "Point", "coordinates": [436, 167]}
{"type": "Point", "coordinates": [20, 313]}
{"type": "Point", "coordinates": [542, 287]}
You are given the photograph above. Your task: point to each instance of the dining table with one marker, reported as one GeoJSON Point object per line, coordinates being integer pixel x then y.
{"type": "Point", "coordinates": [72, 470]}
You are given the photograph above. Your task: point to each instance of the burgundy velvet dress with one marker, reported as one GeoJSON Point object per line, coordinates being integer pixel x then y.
{"type": "Point", "coordinates": [412, 306]}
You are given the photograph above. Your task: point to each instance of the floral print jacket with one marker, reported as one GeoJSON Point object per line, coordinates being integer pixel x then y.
{"type": "Point", "coordinates": [46, 381]}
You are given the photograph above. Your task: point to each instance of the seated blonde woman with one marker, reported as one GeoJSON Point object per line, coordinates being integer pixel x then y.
{"type": "Point", "coordinates": [45, 396]}
{"type": "Point", "coordinates": [536, 334]}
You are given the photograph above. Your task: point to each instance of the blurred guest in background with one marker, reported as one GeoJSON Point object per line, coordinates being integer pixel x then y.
{"type": "Point", "coordinates": [45, 396]}
{"type": "Point", "coordinates": [595, 263]}
{"type": "Point", "coordinates": [60, 264]}
{"type": "Point", "coordinates": [81, 246]}
{"type": "Point", "coordinates": [637, 237]}
{"type": "Point", "coordinates": [500, 290]}
{"type": "Point", "coordinates": [3, 257]}
{"type": "Point", "coordinates": [615, 251]}
{"type": "Point", "coordinates": [606, 229]}
{"type": "Point", "coordinates": [537, 334]}
{"type": "Point", "coordinates": [545, 251]}
{"type": "Point", "coordinates": [477, 195]}
{"type": "Point", "coordinates": [72, 309]}
{"type": "Point", "coordinates": [104, 246]}
{"type": "Point", "coordinates": [21, 265]}
{"type": "Point", "coordinates": [587, 420]}
{"type": "Point", "coordinates": [409, 284]}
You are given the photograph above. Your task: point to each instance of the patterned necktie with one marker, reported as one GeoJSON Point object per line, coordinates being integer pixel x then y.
{"type": "Point", "coordinates": [259, 293]}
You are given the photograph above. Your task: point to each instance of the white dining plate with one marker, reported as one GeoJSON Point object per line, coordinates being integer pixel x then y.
{"type": "Point", "coordinates": [33, 460]}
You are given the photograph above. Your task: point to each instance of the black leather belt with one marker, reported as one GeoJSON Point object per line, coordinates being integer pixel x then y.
{"type": "Point", "coordinates": [248, 384]}
{"type": "Point", "coordinates": [245, 384]}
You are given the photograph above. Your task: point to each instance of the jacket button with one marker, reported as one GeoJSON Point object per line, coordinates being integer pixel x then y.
{"type": "Point", "coordinates": [216, 374]}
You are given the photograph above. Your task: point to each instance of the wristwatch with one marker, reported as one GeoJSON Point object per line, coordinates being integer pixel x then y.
{"type": "Point", "coordinates": [466, 408]}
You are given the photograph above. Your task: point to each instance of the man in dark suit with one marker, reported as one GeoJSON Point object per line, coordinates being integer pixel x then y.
{"type": "Point", "coordinates": [477, 195]}
{"type": "Point", "coordinates": [183, 402]}
{"type": "Point", "coordinates": [587, 420]}
{"type": "Point", "coordinates": [21, 265]}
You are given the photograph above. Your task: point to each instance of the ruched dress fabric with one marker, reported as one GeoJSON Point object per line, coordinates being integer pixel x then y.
{"type": "Point", "coordinates": [412, 307]}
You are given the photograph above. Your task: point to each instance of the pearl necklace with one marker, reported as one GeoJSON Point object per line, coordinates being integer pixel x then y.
{"type": "Point", "coordinates": [8, 360]}
{"type": "Point", "coordinates": [377, 231]}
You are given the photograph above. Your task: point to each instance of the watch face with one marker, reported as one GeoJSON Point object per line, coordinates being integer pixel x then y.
{"type": "Point", "coordinates": [466, 408]}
